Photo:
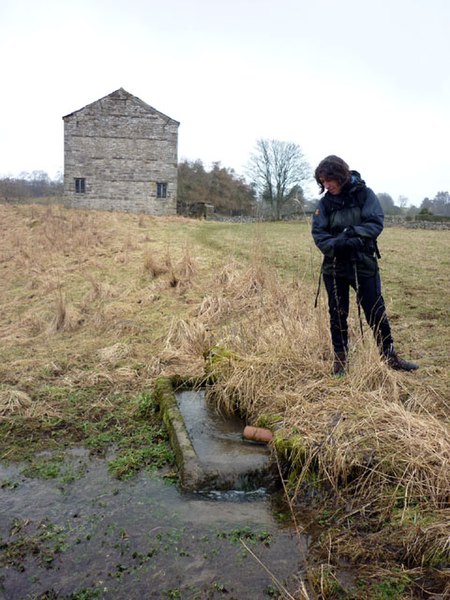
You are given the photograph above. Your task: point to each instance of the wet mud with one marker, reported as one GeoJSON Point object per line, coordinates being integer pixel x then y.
{"type": "Point", "coordinates": [86, 535]}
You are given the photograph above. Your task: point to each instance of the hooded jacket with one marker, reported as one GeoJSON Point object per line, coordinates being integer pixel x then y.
{"type": "Point", "coordinates": [358, 208]}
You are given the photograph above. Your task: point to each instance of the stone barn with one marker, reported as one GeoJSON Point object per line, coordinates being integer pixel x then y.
{"type": "Point", "coordinates": [121, 154]}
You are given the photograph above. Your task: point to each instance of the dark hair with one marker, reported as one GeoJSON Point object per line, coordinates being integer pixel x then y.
{"type": "Point", "coordinates": [332, 167]}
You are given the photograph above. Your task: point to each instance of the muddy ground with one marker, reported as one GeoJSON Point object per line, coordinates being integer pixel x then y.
{"type": "Point", "coordinates": [80, 533]}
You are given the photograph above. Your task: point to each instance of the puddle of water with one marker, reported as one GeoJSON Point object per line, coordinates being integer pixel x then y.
{"type": "Point", "coordinates": [222, 452]}
{"type": "Point", "coordinates": [137, 539]}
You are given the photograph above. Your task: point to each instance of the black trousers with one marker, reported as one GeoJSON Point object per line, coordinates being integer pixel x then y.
{"type": "Point", "coordinates": [370, 299]}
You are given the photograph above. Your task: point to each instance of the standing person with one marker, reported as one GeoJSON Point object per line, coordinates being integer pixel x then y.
{"type": "Point", "coordinates": [345, 228]}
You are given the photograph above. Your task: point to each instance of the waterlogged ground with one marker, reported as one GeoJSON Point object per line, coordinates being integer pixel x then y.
{"type": "Point", "coordinates": [83, 534]}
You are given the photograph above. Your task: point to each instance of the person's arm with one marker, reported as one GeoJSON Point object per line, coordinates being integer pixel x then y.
{"type": "Point", "coordinates": [320, 231]}
{"type": "Point", "coordinates": [372, 217]}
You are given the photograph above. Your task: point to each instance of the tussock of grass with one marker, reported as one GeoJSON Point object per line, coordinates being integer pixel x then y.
{"type": "Point", "coordinates": [113, 354]}
{"type": "Point", "coordinates": [65, 318]}
{"type": "Point", "coordinates": [14, 402]}
{"type": "Point", "coordinates": [152, 266]}
{"type": "Point", "coordinates": [185, 347]}
{"type": "Point", "coordinates": [213, 309]}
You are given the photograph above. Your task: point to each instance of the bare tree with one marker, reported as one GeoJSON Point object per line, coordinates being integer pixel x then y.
{"type": "Point", "coordinates": [403, 202]}
{"type": "Point", "coordinates": [277, 169]}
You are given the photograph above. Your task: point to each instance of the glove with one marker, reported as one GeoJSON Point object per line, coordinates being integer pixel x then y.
{"type": "Point", "coordinates": [340, 243]}
{"type": "Point", "coordinates": [354, 243]}
{"type": "Point", "coordinates": [344, 244]}
{"type": "Point", "coordinates": [350, 231]}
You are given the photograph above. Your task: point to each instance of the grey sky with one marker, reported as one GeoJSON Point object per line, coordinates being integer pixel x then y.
{"type": "Point", "coordinates": [369, 81]}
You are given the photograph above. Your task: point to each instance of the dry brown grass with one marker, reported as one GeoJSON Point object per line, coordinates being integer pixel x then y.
{"type": "Point", "coordinates": [14, 403]}
{"type": "Point", "coordinates": [153, 266]}
{"type": "Point", "coordinates": [382, 430]}
{"type": "Point", "coordinates": [377, 437]}
{"type": "Point", "coordinates": [365, 421]}
{"type": "Point", "coordinates": [109, 302]}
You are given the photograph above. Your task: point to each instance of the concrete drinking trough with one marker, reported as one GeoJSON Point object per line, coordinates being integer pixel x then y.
{"type": "Point", "coordinates": [211, 452]}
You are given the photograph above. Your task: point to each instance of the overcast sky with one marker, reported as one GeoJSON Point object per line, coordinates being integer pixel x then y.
{"type": "Point", "coordinates": [368, 80]}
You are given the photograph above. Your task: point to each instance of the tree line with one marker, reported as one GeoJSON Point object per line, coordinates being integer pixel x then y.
{"type": "Point", "coordinates": [276, 174]}
{"type": "Point", "coordinates": [276, 171]}
{"type": "Point", "coordinates": [25, 186]}
{"type": "Point", "coordinates": [220, 188]}
{"type": "Point", "coordinates": [438, 206]}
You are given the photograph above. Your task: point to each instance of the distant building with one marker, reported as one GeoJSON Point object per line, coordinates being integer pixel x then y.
{"type": "Point", "coordinates": [121, 154]}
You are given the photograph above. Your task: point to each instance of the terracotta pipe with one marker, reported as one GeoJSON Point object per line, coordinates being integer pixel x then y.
{"type": "Point", "coordinates": [257, 434]}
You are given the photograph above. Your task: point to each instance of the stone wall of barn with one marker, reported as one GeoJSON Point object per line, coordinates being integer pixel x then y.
{"type": "Point", "coordinates": [116, 152]}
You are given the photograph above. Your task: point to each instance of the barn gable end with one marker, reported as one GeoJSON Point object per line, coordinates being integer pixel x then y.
{"type": "Point", "coordinates": [121, 154]}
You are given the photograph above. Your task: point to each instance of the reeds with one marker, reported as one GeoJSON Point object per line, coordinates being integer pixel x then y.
{"type": "Point", "coordinates": [278, 362]}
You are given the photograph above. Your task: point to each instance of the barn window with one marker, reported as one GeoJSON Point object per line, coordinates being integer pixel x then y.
{"type": "Point", "coordinates": [161, 190]}
{"type": "Point", "coordinates": [80, 185]}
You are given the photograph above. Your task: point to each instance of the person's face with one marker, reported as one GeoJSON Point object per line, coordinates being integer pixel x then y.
{"type": "Point", "coordinates": [331, 185]}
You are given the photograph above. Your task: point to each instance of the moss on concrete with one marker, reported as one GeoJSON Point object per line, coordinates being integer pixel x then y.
{"type": "Point", "coordinates": [191, 473]}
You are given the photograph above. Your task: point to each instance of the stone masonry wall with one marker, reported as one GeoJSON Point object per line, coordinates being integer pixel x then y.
{"type": "Point", "coordinates": [122, 148]}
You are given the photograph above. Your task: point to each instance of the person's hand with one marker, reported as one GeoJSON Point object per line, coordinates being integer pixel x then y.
{"type": "Point", "coordinates": [344, 243]}
{"type": "Point", "coordinates": [354, 243]}
{"type": "Point", "coordinates": [340, 243]}
{"type": "Point", "coordinates": [349, 231]}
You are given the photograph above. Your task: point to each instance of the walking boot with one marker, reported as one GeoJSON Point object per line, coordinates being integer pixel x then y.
{"type": "Point", "coordinates": [397, 363]}
{"type": "Point", "coordinates": [340, 362]}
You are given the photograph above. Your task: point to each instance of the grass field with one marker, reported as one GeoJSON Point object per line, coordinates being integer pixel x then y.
{"type": "Point", "coordinates": [95, 306]}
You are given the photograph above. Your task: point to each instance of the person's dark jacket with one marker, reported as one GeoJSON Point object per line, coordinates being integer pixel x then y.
{"type": "Point", "coordinates": [345, 228]}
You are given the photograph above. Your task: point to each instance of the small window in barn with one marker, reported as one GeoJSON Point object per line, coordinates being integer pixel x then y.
{"type": "Point", "coordinates": [80, 185]}
{"type": "Point", "coordinates": [161, 190]}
